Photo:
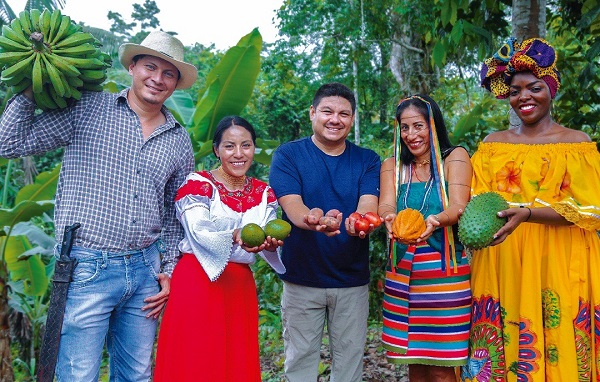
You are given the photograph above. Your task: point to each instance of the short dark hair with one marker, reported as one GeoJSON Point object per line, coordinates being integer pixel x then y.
{"type": "Point", "coordinates": [334, 89]}
{"type": "Point", "coordinates": [440, 127]}
{"type": "Point", "coordinates": [230, 121]}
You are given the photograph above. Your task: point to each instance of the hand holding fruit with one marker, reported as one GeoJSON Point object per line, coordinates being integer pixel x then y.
{"type": "Point", "coordinates": [252, 238]}
{"type": "Point", "coordinates": [276, 230]}
{"type": "Point", "coordinates": [431, 223]}
{"type": "Point", "coordinates": [389, 221]}
{"type": "Point", "coordinates": [312, 219]}
{"type": "Point", "coordinates": [408, 226]}
{"type": "Point", "coordinates": [332, 220]}
{"type": "Point", "coordinates": [361, 225]}
{"type": "Point", "coordinates": [328, 223]}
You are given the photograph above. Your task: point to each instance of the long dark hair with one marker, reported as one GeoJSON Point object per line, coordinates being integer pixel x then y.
{"type": "Point", "coordinates": [440, 127]}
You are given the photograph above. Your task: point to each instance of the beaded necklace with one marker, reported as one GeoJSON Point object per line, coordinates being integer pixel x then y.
{"type": "Point", "coordinates": [428, 187]}
{"type": "Point", "coordinates": [233, 182]}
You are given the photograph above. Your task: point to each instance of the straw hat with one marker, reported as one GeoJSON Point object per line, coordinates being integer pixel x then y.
{"type": "Point", "coordinates": [163, 45]}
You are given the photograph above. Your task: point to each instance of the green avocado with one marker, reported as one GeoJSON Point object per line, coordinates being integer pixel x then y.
{"type": "Point", "coordinates": [253, 235]}
{"type": "Point", "coordinates": [480, 221]}
{"type": "Point", "coordinates": [278, 228]}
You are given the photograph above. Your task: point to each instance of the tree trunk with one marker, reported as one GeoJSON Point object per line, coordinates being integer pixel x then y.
{"type": "Point", "coordinates": [409, 60]}
{"type": "Point", "coordinates": [6, 371]}
{"type": "Point", "coordinates": [528, 19]}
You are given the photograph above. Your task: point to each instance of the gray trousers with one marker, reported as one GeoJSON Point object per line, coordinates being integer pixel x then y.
{"type": "Point", "coordinates": [304, 311]}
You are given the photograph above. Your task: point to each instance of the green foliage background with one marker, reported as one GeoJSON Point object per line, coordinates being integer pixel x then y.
{"type": "Point", "coordinates": [384, 49]}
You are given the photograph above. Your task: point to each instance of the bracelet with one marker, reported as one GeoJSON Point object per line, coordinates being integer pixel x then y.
{"type": "Point", "coordinates": [437, 218]}
{"type": "Point", "coordinates": [385, 204]}
{"type": "Point", "coordinates": [448, 216]}
{"type": "Point", "coordinates": [528, 216]}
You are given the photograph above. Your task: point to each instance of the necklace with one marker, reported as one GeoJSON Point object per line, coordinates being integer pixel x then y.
{"type": "Point", "coordinates": [414, 170]}
{"type": "Point", "coordinates": [232, 182]}
{"type": "Point", "coordinates": [428, 187]}
{"type": "Point", "coordinates": [422, 163]}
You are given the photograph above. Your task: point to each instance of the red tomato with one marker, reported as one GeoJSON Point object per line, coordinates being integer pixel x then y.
{"type": "Point", "coordinates": [355, 216]}
{"type": "Point", "coordinates": [362, 224]}
{"type": "Point", "coordinates": [373, 218]}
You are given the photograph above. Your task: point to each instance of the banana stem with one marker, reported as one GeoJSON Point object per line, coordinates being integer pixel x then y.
{"type": "Point", "coordinates": [37, 39]}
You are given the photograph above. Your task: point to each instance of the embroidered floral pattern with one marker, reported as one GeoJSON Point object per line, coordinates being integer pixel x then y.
{"type": "Point", "coordinates": [550, 308]}
{"type": "Point", "coordinates": [528, 354]}
{"type": "Point", "coordinates": [244, 199]}
{"type": "Point", "coordinates": [552, 354]}
{"type": "Point", "coordinates": [486, 362]}
{"type": "Point", "coordinates": [597, 337]}
{"type": "Point", "coordinates": [583, 340]}
{"type": "Point", "coordinates": [194, 187]}
{"type": "Point", "coordinates": [509, 178]}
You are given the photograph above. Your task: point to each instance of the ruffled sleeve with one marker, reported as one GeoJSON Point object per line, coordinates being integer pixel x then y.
{"type": "Point", "coordinates": [211, 245]}
{"type": "Point", "coordinates": [563, 176]}
{"type": "Point", "coordinates": [577, 184]}
{"type": "Point", "coordinates": [272, 258]}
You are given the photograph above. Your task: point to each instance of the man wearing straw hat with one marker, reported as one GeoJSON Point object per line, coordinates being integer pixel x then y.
{"type": "Point", "coordinates": [125, 156]}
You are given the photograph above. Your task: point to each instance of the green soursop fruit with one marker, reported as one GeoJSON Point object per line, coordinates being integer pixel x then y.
{"type": "Point", "coordinates": [253, 235]}
{"type": "Point", "coordinates": [480, 221]}
{"type": "Point", "coordinates": [278, 228]}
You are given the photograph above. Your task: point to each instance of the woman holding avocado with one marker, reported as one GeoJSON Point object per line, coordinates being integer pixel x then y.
{"type": "Point", "coordinates": [209, 331]}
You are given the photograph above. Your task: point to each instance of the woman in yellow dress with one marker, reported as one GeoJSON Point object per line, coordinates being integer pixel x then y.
{"type": "Point", "coordinates": [536, 290]}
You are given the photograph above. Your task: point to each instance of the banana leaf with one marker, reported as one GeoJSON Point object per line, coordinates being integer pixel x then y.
{"type": "Point", "coordinates": [204, 150]}
{"type": "Point", "coordinates": [181, 105]}
{"type": "Point", "coordinates": [229, 86]}
{"type": "Point", "coordinates": [24, 211]}
{"type": "Point", "coordinates": [263, 156]}
{"type": "Point", "coordinates": [30, 269]}
{"type": "Point", "coordinates": [44, 187]}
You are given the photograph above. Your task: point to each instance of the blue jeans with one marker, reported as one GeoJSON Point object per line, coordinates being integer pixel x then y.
{"type": "Point", "coordinates": [104, 302]}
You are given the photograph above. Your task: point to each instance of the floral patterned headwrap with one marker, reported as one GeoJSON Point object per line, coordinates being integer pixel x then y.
{"type": "Point", "coordinates": [534, 55]}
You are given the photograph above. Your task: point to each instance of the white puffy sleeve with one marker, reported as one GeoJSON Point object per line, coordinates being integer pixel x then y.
{"type": "Point", "coordinates": [272, 258]}
{"type": "Point", "coordinates": [210, 239]}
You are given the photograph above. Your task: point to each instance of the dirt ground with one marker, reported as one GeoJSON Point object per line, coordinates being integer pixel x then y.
{"type": "Point", "coordinates": [376, 368]}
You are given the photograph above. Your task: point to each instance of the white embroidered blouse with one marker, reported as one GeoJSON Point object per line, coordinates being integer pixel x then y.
{"type": "Point", "coordinates": [210, 213]}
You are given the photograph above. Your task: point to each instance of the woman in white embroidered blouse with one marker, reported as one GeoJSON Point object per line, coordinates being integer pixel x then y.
{"type": "Point", "coordinates": [209, 331]}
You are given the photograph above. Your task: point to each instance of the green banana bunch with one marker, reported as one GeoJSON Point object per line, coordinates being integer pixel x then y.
{"type": "Point", "coordinates": [47, 51]}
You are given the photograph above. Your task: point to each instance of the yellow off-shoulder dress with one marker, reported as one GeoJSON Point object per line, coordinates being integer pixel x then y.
{"type": "Point", "coordinates": [536, 296]}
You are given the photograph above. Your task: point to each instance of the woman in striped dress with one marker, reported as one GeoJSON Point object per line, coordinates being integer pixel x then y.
{"type": "Point", "coordinates": [427, 294]}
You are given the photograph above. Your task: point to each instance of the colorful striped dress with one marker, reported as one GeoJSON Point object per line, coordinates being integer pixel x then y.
{"type": "Point", "coordinates": [426, 312]}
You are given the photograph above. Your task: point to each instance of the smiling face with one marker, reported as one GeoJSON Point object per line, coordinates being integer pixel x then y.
{"type": "Point", "coordinates": [414, 131]}
{"type": "Point", "coordinates": [530, 98]}
{"type": "Point", "coordinates": [154, 79]}
{"type": "Point", "coordinates": [331, 121]}
{"type": "Point", "coordinates": [236, 151]}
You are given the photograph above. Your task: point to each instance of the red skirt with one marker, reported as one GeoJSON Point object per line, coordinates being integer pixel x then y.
{"type": "Point", "coordinates": [209, 330]}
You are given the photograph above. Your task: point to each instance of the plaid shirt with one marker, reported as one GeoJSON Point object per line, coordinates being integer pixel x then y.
{"type": "Point", "coordinates": [118, 186]}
